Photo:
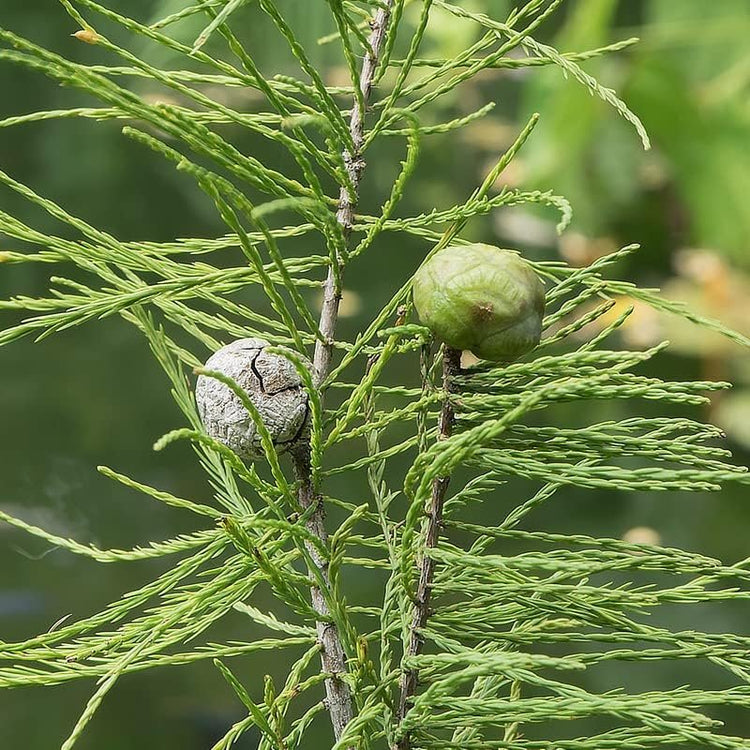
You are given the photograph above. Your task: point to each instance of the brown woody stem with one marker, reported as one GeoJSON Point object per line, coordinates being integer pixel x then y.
{"type": "Point", "coordinates": [333, 658]}
{"type": "Point", "coordinates": [433, 523]}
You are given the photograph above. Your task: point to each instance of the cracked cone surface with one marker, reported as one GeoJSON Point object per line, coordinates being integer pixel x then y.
{"type": "Point", "coordinates": [270, 381]}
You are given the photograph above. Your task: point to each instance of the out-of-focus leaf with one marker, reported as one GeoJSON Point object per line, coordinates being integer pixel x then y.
{"type": "Point", "coordinates": [576, 143]}
{"type": "Point", "coordinates": [707, 152]}
{"type": "Point", "coordinates": [733, 415]}
{"type": "Point", "coordinates": [715, 40]}
{"type": "Point", "coordinates": [694, 107]}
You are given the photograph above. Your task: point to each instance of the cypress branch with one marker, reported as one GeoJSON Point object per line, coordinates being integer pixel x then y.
{"type": "Point", "coordinates": [497, 624]}
{"type": "Point", "coordinates": [333, 659]}
{"type": "Point", "coordinates": [433, 524]}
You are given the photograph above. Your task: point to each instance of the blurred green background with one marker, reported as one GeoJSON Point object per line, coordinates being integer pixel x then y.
{"type": "Point", "coordinates": [94, 396]}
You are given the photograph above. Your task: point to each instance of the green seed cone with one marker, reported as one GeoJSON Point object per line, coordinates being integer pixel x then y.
{"type": "Point", "coordinates": [481, 298]}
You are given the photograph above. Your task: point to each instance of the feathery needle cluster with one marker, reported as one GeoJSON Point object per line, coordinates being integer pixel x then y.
{"type": "Point", "coordinates": [479, 636]}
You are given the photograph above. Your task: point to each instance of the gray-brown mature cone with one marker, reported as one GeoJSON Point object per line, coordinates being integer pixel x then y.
{"type": "Point", "coordinates": [271, 383]}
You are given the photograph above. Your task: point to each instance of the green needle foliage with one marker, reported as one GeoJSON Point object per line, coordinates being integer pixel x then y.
{"type": "Point", "coordinates": [518, 617]}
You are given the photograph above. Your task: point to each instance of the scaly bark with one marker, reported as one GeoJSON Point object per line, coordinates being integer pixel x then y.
{"type": "Point", "coordinates": [333, 658]}
{"type": "Point", "coordinates": [421, 610]}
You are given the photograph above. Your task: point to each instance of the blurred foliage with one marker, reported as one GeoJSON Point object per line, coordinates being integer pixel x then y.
{"type": "Point", "coordinates": [688, 80]}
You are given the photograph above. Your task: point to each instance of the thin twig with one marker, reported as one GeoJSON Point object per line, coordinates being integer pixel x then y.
{"type": "Point", "coordinates": [347, 202]}
{"type": "Point", "coordinates": [333, 658]}
{"type": "Point", "coordinates": [433, 521]}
